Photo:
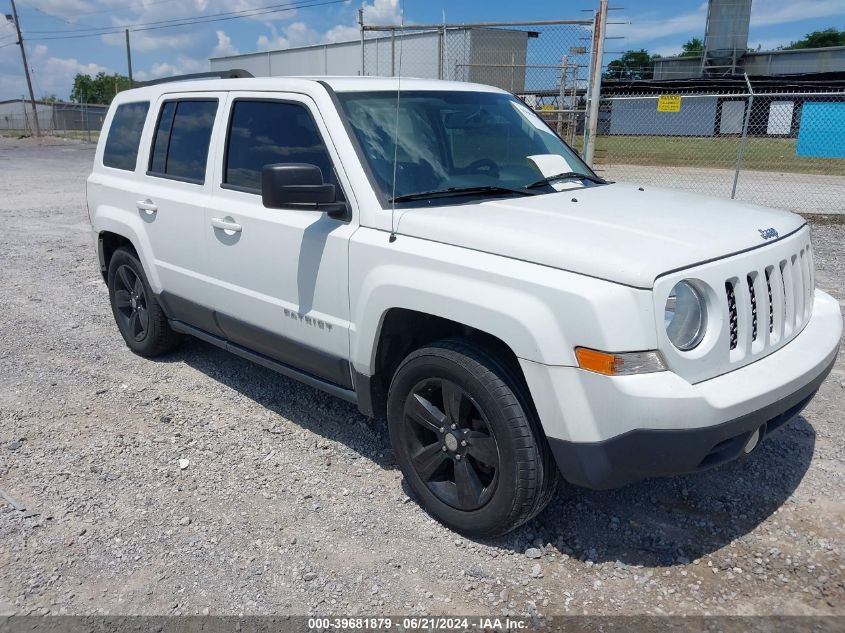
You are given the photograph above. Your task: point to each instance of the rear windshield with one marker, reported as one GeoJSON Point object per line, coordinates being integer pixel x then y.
{"type": "Point", "coordinates": [121, 151]}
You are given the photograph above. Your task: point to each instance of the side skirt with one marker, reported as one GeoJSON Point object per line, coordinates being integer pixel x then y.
{"type": "Point", "coordinates": [286, 370]}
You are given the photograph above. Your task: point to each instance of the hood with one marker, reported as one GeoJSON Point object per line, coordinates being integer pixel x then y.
{"type": "Point", "coordinates": [615, 232]}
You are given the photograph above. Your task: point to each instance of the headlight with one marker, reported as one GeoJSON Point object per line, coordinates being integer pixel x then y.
{"type": "Point", "coordinates": [685, 316]}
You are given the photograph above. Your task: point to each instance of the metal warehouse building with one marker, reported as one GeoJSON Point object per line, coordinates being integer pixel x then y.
{"type": "Point", "coordinates": [761, 63]}
{"type": "Point", "coordinates": [485, 55]}
{"type": "Point", "coordinates": [713, 94]}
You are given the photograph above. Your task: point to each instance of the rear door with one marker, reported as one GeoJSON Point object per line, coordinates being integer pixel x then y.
{"type": "Point", "coordinates": [172, 198]}
{"type": "Point", "coordinates": [282, 275]}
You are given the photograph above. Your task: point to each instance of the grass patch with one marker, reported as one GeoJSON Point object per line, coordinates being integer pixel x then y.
{"type": "Point", "coordinates": [763, 154]}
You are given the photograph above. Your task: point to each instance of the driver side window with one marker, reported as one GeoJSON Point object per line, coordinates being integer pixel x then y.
{"type": "Point", "coordinates": [270, 132]}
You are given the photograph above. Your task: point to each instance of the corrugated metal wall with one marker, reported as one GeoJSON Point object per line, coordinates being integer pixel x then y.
{"type": "Point", "coordinates": [420, 52]}
{"type": "Point", "coordinates": [797, 61]}
{"type": "Point", "coordinates": [697, 117]}
{"type": "Point", "coordinates": [763, 64]}
{"type": "Point", "coordinates": [491, 56]}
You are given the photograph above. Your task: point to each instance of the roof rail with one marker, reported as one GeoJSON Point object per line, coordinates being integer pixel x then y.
{"type": "Point", "coordinates": [234, 73]}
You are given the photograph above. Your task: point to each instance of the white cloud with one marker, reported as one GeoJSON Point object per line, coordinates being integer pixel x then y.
{"type": "Point", "coordinates": [224, 46]}
{"type": "Point", "coordinates": [50, 74]}
{"type": "Point", "coordinates": [183, 66]}
{"type": "Point", "coordinates": [299, 34]}
{"type": "Point", "coordinates": [143, 41]}
{"type": "Point", "coordinates": [151, 10]}
{"type": "Point", "coordinates": [382, 12]}
{"type": "Point", "coordinates": [786, 11]}
{"type": "Point", "coordinates": [342, 33]}
{"type": "Point", "coordinates": [294, 34]}
{"type": "Point", "coordinates": [650, 26]}
{"type": "Point", "coordinates": [173, 51]}
{"type": "Point", "coordinates": [63, 8]}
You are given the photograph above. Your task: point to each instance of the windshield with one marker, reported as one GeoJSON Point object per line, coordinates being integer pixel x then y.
{"type": "Point", "coordinates": [487, 141]}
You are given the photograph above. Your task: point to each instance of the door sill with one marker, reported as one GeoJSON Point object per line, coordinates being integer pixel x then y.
{"type": "Point", "coordinates": [286, 370]}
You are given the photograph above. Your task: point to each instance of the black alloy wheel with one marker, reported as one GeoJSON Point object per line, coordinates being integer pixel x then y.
{"type": "Point", "coordinates": [139, 316]}
{"type": "Point", "coordinates": [130, 300]}
{"type": "Point", "coordinates": [467, 439]}
{"type": "Point", "coordinates": [451, 445]}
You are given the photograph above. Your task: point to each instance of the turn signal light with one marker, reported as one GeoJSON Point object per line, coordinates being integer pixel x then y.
{"type": "Point", "coordinates": [622, 364]}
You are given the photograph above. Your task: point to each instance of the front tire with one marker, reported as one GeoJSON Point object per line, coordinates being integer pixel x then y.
{"type": "Point", "coordinates": [467, 440]}
{"type": "Point", "coordinates": [137, 312]}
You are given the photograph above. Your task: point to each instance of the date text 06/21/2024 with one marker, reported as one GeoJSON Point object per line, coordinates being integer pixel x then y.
{"type": "Point", "coordinates": [418, 623]}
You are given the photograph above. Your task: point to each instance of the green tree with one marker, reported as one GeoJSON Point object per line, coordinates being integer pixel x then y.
{"type": "Point", "coordinates": [49, 99]}
{"type": "Point", "coordinates": [820, 39]}
{"type": "Point", "coordinates": [631, 65]}
{"type": "Point", "coordinates": [101, 88]}
{"type": "Point", "coordinates": [693, 48]}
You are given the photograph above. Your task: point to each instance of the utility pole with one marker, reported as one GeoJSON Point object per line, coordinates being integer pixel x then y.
{"type": "Point", "coordinates": [599, 28]}
{"type": "Point", "coordinates": [361, 23]}
{"type": "Point", "coordinates": [26, 69]}
{"type": "Point", "coordinates": [129, 59]}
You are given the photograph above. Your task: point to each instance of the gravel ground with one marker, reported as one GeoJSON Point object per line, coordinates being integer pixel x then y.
{"type": "Point", "coordinates": [201, 483]}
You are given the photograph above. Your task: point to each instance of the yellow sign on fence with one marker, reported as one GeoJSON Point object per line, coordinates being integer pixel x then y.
{"type": "Point", "coordinates": [669, 103]}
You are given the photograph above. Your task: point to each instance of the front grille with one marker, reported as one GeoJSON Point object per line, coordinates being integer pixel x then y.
{"type": "Point", "coordinates": [733, 319]}
{"type": "Point", "coordinates": [771, 307]}
{"type": "Point", "coordinates": [753, 298]}
{"type": "Point", "coordinates": [788, 296]}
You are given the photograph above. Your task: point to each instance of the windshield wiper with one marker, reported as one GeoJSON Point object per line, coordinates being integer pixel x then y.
{"type": "Point", "coordinates": [459, 191]}
{"type": "Point", "coordinates": [567, 175]}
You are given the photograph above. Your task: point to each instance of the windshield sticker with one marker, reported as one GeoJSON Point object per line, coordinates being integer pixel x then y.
{"type": "Point", "coordinates": [551, 164]}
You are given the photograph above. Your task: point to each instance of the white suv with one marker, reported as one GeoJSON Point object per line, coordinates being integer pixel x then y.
{"type": "Point", "coordinates": [441, 257]}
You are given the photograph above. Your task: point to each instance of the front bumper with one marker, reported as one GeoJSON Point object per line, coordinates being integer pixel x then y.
{"type": "Point", "coordinates": [609, 431]}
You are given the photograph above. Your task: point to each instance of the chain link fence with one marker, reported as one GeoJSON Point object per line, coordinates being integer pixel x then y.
{"type": "Point", "coordinates": [80, 121]}
{"type": "Point", "coordinates": [780, 149]}
{"type": "Point", "coordinates": [544, 63]}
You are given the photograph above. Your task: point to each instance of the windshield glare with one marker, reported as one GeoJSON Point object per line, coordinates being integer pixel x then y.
{"type": "Point", "coordinates": [455, 140]}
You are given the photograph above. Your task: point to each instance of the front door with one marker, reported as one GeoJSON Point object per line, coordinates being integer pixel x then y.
{"type": "Point", "coordinates": [280, 274]}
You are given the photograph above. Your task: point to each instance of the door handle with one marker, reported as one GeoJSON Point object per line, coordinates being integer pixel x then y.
{"type": "Point", "coordinates": [226, 224]}
{"type": "Point", "coordinates": [146, 206]}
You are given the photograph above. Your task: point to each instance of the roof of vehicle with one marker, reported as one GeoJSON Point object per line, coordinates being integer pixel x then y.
{"type": "Point", "coordinates": [303, 84]}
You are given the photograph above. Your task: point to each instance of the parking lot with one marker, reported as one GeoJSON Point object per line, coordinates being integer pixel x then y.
{"type": "Point", "coordinates": [200, 483]}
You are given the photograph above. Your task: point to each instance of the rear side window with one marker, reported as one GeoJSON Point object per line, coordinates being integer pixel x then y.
{"type": "Point", "coordinates": [183, 134]}
{"type": "Point", "coordinates": [121, 151]}
{"type": "Point", "coordinates": [268, 132]}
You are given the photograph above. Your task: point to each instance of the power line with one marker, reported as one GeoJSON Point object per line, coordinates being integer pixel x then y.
{"type": "Point", "coordinates": [176, 22]}
{"type": "Point", "coordinates": [51, 16]}
{"type": "Point", "coordinates": [131, 7]}
{"type": "Point", "coordinates": [287, 5]}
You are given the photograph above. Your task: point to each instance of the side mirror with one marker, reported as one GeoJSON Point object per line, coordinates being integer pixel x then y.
{"type": "Point", "coordinates": [301, 186]}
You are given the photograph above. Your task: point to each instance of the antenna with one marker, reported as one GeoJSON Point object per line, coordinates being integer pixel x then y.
{"type": "Point", "coordinates": [396, 130]}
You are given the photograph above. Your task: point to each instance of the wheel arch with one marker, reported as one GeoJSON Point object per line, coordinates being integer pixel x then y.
{"type": "Point", "coordinates": [114, 231]}
{"type": "Point", "coordinates": [107, 243]}
{"type": "Point", "coordinates": [402, 330]}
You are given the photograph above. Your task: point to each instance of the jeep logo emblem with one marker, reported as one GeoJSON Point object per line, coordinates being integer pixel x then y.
{"type": "Point", "coordinates": [767, 234]}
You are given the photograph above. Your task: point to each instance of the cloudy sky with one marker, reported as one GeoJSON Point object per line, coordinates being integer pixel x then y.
{"type": "Point", "coordinates": [59, 46]}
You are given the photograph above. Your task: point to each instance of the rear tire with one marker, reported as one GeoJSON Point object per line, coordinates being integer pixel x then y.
{"type": "Point", "coordinates": [137, 312]}
{"type": "Point", "coordinates": [467, 440]}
